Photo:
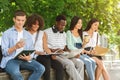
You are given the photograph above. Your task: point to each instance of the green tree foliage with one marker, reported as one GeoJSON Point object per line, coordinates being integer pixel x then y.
{"type": "Point", "coordinates": [107, 11]}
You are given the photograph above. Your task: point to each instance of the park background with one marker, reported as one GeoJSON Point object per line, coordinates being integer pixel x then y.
{"type": "Point", "coordinates": [106, 11]}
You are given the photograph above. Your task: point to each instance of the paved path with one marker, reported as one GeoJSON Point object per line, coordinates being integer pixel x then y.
{"type": "Point", "coordinates": [114, 70]}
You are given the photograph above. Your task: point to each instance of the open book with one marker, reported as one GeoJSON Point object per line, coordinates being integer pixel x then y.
{"type": "Point", "coordinates": [73, 53]}
{"type": "Point", "coordinates": [55, 53]}
{"type": "Point", "coordinates": [24, 52]}
{"type": "Point", "coordinates": [100, 51]}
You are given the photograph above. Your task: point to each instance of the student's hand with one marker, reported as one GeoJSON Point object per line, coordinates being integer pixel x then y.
{"type": "Point", "coordinates": [83, 51]}
{"type": "Point", "coordinates": [40, 53]}
{"type": "Point", "coordinates": [20, 44]}
{"type": "Point", "coordinates": [24, 57]}
{"type": "Point", "coordinates": [93, 52]}
{"type": "Point", "coordinates": [60, 51]}
{"type": "Point", "coordinates": [53, 50]}
{"type": "Point", "coordinates": [53, 57]}
{"type": "Point", "coordinates": [77, 56]}
{"type": "Point", "coordinates": [87, 52]}
{"type": "Point", "coordinates": [84, 43]}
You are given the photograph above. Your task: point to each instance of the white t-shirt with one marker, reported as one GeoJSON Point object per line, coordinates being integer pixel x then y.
{"type": "Point", "coordinates": [93, 40]}
{"type": "Point", "coordinates": [19, 37]}
{"type": "Point", "coordinates": [38, 45]}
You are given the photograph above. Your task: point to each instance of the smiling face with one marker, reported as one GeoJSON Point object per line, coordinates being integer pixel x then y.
{"type": "Point", "coordinates": [79, 24]}
{"type": "Point", "coordinates": [19, 21]}
{"type": "Point", "coordinates": [35, 26]}
{"type": "Point", "coordinates": [95, 26]}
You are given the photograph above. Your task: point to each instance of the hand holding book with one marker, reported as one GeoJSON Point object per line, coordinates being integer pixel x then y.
{"type": "Point", "coordinates": [20, 44]}
{"type": "Point", "coordinates": [55, 52]}
{"type": "Point", "coordinates": [24, 52]}
{"type": "Point", "coordinates": [25, 57]}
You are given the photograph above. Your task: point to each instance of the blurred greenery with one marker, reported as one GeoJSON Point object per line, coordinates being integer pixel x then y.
{"type": "Point", "coordinates": [107, 11]}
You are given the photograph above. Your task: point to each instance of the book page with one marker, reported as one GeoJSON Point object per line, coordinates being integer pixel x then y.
{"type": "Point", "coordinates": [73, 53]}
{"type": "Point", "coordinates": [55, 53]}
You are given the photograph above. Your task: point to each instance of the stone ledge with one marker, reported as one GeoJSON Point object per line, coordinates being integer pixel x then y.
{"type": "Point", "coordinates": [5, 76]}
{"type": "Point", "coordinates": [25, 73]}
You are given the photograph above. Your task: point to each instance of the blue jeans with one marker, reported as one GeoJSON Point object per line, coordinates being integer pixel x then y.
{"type": "Point", "coordinates": [13, 68]}
{"type": "Point", "coordinates": [90, 65]}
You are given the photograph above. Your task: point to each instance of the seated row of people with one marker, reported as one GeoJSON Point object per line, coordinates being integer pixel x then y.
{"type": "Point", "coordinates": [47, 42]}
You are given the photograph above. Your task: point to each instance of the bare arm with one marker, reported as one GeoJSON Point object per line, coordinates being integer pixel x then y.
{"type": "Point", "coordinates": [12, 49]}
{"type": "Point", "coordinates": [18, 45]}
{"type": "Point", "coordinates": [45, 45]}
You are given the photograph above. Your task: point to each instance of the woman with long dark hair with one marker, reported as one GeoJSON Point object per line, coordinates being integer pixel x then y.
{"type": "Point", "coordinates": [92, 31]}
{"type": "Point", "coordinates": [74, 42]}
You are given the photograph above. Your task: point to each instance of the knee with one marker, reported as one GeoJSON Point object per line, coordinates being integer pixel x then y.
{"type": "Point", "coordinates": [93, 63]}
{"type": "Point", "coordinates": [78, 61]}
{"type": "Point", "coordinates": [81, 62]}
{"type": "Point", "coordinates": [88, 63]}
{"type": "Point", "coordinates": [40, 68]}
{"type": "Point", "coordinates": [70, 65]}
{"type": "Point", "coordinates": [100, 65]}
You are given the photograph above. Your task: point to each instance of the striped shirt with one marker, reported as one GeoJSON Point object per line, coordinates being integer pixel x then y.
{"type": "Point", "coordinates": [55, 40]}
